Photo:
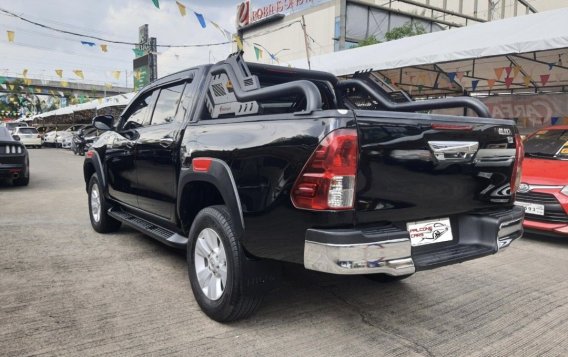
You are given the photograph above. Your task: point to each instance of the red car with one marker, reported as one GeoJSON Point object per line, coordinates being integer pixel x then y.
{"type": "Point", "coordinates": [544, 182]}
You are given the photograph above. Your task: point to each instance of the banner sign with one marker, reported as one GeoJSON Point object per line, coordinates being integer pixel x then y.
{"type": "Point", "coordinates": [246, 15]}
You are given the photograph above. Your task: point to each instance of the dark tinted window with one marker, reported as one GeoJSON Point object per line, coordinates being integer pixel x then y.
{"type": "Point", "coordinates": [138, 112]}
{"type": "Point", "coordinates": [548, 143]}
{"type": "Point", "coordinates": [27, 131]}
{"type": "Point", "coordinates": [167, 104]}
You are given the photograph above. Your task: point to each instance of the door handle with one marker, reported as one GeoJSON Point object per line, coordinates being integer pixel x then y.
{"type": "Point", "coordinates": [166, 142]}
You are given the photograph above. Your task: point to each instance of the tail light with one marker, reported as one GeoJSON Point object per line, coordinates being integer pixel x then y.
{"type": "Point", "coordinates": [327, 181]}
{"type": "Point", "coordinates": [518, 166]}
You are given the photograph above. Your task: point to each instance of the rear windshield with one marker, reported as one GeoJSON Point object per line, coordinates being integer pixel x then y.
{"type": "Point", "coordinates": [552, 144]}
{"type": "Point", "coordinates": [27, 131]}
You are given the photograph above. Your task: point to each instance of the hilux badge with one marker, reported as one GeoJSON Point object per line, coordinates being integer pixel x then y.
{"type": "Point", "coordinates": [504, 131]}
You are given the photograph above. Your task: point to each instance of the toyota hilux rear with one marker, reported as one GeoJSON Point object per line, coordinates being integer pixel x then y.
{"type": "Point", "coordinates": [427, 190]}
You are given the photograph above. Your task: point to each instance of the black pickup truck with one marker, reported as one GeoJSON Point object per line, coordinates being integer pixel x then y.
{"type": "Point", "coordinates": [245, 165]}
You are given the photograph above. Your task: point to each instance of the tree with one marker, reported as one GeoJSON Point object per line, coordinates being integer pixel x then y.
{"type": "Point", "coordinates": [409, 29]}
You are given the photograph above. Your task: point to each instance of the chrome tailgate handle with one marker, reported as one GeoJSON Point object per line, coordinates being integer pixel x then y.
{"type": "Point", "coordinates": [454, 150]}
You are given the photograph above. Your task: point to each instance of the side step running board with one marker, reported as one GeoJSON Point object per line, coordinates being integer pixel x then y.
{"type": "Point", "coordinates": [163, 235]}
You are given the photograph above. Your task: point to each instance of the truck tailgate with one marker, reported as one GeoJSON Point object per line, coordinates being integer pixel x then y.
{"type": "Point", "coordinates": [415, 166]}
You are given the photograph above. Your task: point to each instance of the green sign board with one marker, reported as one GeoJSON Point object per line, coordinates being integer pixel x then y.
{"type": "Point", "coordinates": [141, 72]}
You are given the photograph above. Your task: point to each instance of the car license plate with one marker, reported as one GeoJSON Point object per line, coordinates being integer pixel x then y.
{"type": "Point", "coordinates": [532, 208]}
{"type": "Point", "coordinates": [431, 231]}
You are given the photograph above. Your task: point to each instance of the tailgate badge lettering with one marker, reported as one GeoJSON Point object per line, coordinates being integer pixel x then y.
{"type": "Point", "coordinates": [504, 131]}
{"type": "Point", "coordinates": [454, 150]}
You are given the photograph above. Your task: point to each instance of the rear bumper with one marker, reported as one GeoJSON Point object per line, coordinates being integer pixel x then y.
{"type": "Point", "coordinates": [388, 250]}
{"type": "Point", "coordinates": [12, 171]}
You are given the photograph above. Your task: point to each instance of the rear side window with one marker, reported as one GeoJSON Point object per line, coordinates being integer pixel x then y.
{"type": "Point", "coordinates": [167, 104]}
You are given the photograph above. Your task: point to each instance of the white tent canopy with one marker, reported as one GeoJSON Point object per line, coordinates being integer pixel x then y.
{"type": "Point", "coordinates": [117, 100]}
{"type": "Point", "coordinates": [531, 46]}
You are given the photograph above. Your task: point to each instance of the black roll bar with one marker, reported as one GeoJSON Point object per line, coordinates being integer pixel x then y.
{"type": "Point", "coordinates": [456, 102]}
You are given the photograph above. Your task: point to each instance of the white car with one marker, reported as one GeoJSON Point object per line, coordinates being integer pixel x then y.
{"type": "Point", "coordinates": [29, 136]}
{"type": "Point", "coordinates": [50, 138]}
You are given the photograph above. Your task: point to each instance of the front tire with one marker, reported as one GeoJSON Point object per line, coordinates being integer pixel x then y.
{"type": "Point", "coordinates": [98, 209]}
{"type": "Point", "coordinates": [221, 277]}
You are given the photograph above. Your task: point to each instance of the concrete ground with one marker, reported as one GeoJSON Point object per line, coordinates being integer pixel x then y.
{"type": "Point", "coordinates": [66, 290]}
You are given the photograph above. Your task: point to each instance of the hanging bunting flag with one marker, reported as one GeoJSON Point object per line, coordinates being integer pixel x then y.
{"type": "Point", "coordinates": [420, 88]}
{"type": "Point", "coordinates": [61, 93]}
{"type": "Point", "coordinates": [116, 74]}
{"type": "Point", "coordinates": [138, 52]}
{"type": "Point", "coordinates": [459, 75]}
{"type": "Point", "coordinates": [79, 73]}
{"type": "Point", "coordinates": [104, 48]}
{"type": "Point", "coordinates": [508, 82]}
{"type": "Point", "coordinates": [108, 85]}
{"type": "Point", "coordinates": [3, 86]}
{"type": "Point", "coordinates": [59, 73]}
{"type": "Point", "coordinates": [516, 70]}
{"type": "Point", "coordinates": [527, 80]}
{"type": "Point", "coordinates": [499, 72]}
{"type": "Point", "coordinates": [452, 76]}
{"type": "Point", "coordinates": [474, 84]}
{"type": "Point", "coordinates": [25, 73]}
{"type": "Point", "coordinates": [11, 87]}
{"type": "Point", "coordinates": [219, 28]}
{"type": "Point", "coordinates": [2, 79]}
{"type": "Point", "coordinates": [551, 65]}
{"type": "Point", "coordinates": [38, 90]}
{"type": "Point", "coordinates": [544, 78]}
{"type": "Point", "coordinates": [11, 36]}
{"type": "Point", "coordinates": [508, 71]}
{"type": "Point", "coordinates": [64, 84]}
{"type": "Point", "coordinates": [52, 92]}
{"type": "Point", "coordinates": [181, 8]}
{"type": "Point", "coordinates": [87, 43]}
{"type": "Point", "coordinates": [201, 19]}
{"type": "Point", "coordinates": [156, 3]}
{"type": "Point", "coordinates": [257, 52]}
{"type": "Point", "coordinates": [490, 83]}
{"type": "Point", "coordinates": [27, 81]}
{"type": "Point", "coordinates": [239, 42]}
{"type": "Point", "coordinates": [228, 35]}
{"type": "Point", "coordinates": [554, 120]}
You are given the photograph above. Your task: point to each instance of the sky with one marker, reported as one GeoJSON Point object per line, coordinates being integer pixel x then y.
{"type": "Point", "coordinates": [41, 51]}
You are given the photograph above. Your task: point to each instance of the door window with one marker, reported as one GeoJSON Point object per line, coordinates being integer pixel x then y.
{"type": "Point", "coordinates": [138, 112]}
{"type": "Point", "coordinates": [167, 104]}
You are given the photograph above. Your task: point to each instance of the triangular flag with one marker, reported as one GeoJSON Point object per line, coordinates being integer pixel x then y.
{"type": "Point", "coordinates": [239, 42]}
{"type": "Point", "coordinates": [227, 35]}
{"type": "Point", "coordinates": [25, 73]}
{"type": "Point", "coordinates": [156, 3]}
{"type": "Point", "coordinates": [474, 84]}
{"type": "Point", "coordinates": [11, 86]}
{"type": "Point", "coordinates": [88, 43]}
{"type": "Point", "coordinates": [554, 120]}
{"type": "Point", "coordinates": [420, 87]}
{"type": "Point", "coordinates": [201, 19]}
{"type": "Point", "coordinates": [27, 81]}
{"type": "Point", "coordinates": [459, 75]}
{"type": "Point", "coordinates": [490, 83]}
{"type": "Point", "coordinates": [64, 84]}
{"type": "Point", "coordinates": [108, 85]}
{"type": "Point", "coordinates": [499, 72]}
{"type": "Point", "coordinates": [38, 90]}
{"type": "Point", "coordinates": [257, 52]}
{"type": "Point", "coordinates": [61, 93]}
{"type": "Point", "coordinates": [79, 73]}
{"type": "Point", "coordinates": [11, 36]}
{"type": "Point", "coordinates": [59, 73]}
{"type": "Point", "coordinates": [104, 48]}
{"type": "Point", "coordinates": [116, 74]}
{"type": "Point", "coordinates": [138, 52]}
{"type": "Point", "coordinates": [508, 82]}
{"type": "Point", "coordinates": [451, 76]}
{"type": "Point", "coordinates": [508, 71]}
{"type": "Point", "coordinates": [551, 65]}
{"type": "Point", "coordinates": [544, 78]}
{"type": "Point", "coordinates": [181, 8]}
{"type": "Point", "coordinates": [516, 70]}
{"type": "Point", "coordinates": [2, 79]}
{"type": "Point", "coordinates": [527, 80]}
{"type": "Point", "coordinates": [218, 28]}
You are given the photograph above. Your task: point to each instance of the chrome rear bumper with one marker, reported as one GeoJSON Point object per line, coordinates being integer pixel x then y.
{"type": "Point", "coordinates": [387, 250]}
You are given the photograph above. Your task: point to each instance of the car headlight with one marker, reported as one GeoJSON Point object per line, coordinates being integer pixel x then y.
{"type": "Point", "coordinates": [564, 190]}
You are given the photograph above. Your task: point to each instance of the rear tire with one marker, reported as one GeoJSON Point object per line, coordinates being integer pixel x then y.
{"type": "Point", "coordinates": [227, 288]}
{"type": "Point", "coordinates": [22, 181]}
{"type": "Point", "coordinates": [384, 278]}
{"type": "Point", "coordinates": [98, 209]}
